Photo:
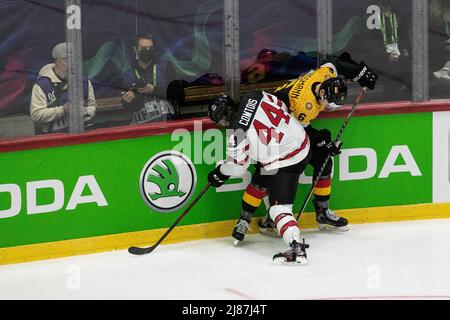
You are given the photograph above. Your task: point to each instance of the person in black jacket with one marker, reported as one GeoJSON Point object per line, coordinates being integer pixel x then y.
{"type": "Point", "coordinates": [144, 94]}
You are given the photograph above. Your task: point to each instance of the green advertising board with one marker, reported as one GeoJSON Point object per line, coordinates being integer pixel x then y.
{"type": "Point", "coordinates": [121, 186]}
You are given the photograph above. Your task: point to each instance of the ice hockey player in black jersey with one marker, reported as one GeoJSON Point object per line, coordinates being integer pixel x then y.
{"type": "Point", "coordinates": [301, 96]}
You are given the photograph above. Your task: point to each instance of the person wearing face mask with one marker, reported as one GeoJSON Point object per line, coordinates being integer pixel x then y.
{"type": "Point", "coordinates": [49, 108]}
{"type": "Point", "coordinates": [143, 85]}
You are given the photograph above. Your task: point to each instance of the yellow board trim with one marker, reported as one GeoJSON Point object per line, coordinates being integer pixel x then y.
{"type": "Point", "coordinates": [66, 248]}
{"type": "Point", "coordinates": [251, 200]}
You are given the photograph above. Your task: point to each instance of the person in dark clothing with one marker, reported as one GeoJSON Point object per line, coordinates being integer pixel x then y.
{"type": "Point", "coordinates": [144, 90]}
{"type": "Point", "coordinates": [440, 39]}
{"type": "Point", "coordinates": [384, 42]}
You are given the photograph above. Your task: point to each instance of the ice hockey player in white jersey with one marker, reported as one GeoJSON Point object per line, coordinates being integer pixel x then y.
{"type": "Point", "coordinates": [306, 97]}
{"type": "Point", "coordinates": [262, 131]}
{"type": "Point", "coordinates": [331, 90]}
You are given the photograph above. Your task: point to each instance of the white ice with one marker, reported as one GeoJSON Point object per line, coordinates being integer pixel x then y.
{"type": "Point", "coordinates": [397, 260]}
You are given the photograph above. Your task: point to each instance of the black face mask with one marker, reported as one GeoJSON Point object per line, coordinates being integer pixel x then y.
{"type": "Point", "coordinates": [145, 55]}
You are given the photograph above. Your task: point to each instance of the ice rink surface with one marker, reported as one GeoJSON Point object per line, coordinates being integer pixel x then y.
{"type": "Point", "coordinates": [399, 260]}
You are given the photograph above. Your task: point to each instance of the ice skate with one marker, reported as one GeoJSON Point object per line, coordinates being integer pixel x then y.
{"type": "Point", "coordinates": [240, 230]}
{"type": "Point", "coordinates": [267, 226]}
{"type": "Point", "coordinates": [295, 254]}
{"type": "Point", "coordinates": [328, 220]}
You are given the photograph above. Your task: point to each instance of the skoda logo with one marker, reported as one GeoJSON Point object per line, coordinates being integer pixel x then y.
{"type": "Point", "coordinates": [167, 181]}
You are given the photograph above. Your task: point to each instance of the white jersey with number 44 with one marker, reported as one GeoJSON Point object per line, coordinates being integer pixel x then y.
{"type": "Point", "coordinates": [265, 132]}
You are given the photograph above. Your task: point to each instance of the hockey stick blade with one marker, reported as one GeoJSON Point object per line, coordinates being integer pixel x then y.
{"type": "Point", "coordinates": [141, 251]}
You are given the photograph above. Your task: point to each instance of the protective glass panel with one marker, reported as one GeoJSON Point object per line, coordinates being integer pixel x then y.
{"type": "Point", "coordinates": [278, 41]}
{"type": "Point", "coordinates": [439, 37]}
{"type": "Point", "coordinates": [378, 33]}
{"type": "Point", "coordinates": [152, 61]}
{"type": "Point", "coordinates": [29, 30]}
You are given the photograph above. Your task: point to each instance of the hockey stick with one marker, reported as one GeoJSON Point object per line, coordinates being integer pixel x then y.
{"type": "Point", "coordinates": [358, 99]}
{"type": "Point", "coordinates": [146, 250]}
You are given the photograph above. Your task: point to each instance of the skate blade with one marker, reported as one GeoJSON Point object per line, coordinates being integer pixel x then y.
{"type": "Point", "coordinates": [269, 231]}
{"type": "Point", "coordinates": [284, 261]}
{"type": "Point", "coordinates": [327, 227]}
{"type": "Point", "coordinates": [301, 260]}
{"type": "Point", "coordinates": [236, 242]}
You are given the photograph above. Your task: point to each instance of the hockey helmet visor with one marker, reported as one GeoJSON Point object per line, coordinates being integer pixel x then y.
{"type": "Point", "coordinates": [335, 90]}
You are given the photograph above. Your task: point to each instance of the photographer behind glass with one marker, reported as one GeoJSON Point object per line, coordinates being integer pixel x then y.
{"type": "Point", "coordinates": [143, 85]}
{"type": "Point", "coordinates": [49, 108]}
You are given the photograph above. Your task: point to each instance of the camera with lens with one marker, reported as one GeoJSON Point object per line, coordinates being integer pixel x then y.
{"type": "Point", "coordinates": [137, 85]}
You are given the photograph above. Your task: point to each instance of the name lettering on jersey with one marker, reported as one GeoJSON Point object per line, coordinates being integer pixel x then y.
{"type": "Point", "coordinates": [248, 112]}
{"type": "Point", "coordinates": [298, 87]}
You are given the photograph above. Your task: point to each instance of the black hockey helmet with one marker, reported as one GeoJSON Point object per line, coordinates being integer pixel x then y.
{"type": "Point", "coordinates": [335, 90]}
{"type": "Point", "coordinates": [220, 107]}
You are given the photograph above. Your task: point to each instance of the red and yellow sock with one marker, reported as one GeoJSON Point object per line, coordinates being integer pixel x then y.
{"type": "Point", "coordinates": [252, 198]}
{"type": "Point", "coordinates": [322, 190]}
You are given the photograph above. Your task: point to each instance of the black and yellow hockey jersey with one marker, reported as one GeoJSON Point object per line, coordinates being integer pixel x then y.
{"type": "Point", "coordinates": [298, 94]}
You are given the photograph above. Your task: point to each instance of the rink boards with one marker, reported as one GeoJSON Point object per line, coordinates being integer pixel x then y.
{"type": "Point", "coordinates": [111, 193]}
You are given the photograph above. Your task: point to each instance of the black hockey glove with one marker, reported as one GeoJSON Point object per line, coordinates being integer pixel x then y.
{"type": "Point", "coordinates": [334, 148]}
{"type": "Point", "coordinates": [327, 145]}
{"type": "Point", "coordinates": [366, 77]}
{"type": "Point", "coordinates": [216, 178]}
